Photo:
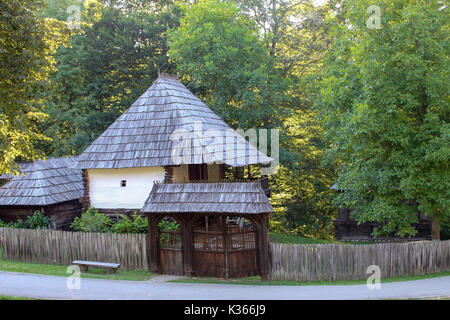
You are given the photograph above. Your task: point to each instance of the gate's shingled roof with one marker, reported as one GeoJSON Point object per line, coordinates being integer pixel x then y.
{"type": "Point", "coordinates": [141, 136]}
{"type": "Point", "coordinates": [43, 183]}
{"type": "Point", "coordinates": [209, 197]}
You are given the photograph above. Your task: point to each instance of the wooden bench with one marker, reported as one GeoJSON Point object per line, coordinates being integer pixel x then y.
{"type": "Point", "coordinates": [84, 265]}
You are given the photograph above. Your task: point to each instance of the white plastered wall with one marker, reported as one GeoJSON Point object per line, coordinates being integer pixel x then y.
{"type": "Point", "coordinates": [106, 192]}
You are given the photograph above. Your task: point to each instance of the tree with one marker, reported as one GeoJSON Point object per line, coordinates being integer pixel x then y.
{"type": "Point", "coordinates": [107, 65]}
{"type": "Point", "coordinates": [255, 63]}
{"type": "Point", "coordinates": [217, 50]}
{"type": "Point", "coordinates": [385, 105]}
{"type": "Point", "coordinates": [27, 44]}
{"type": "Point", "coordinates": [297, 37]}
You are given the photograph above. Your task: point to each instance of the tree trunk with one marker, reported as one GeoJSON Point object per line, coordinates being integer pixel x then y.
{"type": "Point", "coordinates": [435, 234]}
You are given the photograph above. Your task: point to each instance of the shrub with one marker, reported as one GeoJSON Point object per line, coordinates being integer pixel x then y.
{"type": "Point", "coordinates": [38, 221]}
{"type": "Point", "coordinates": [136, 224]}
{"type": "Point", "coordinates": [19, 224]}
{"type": "Point", "coordinates": [92, 221]}
{"type": "Point", "coordinates": [168, 225]}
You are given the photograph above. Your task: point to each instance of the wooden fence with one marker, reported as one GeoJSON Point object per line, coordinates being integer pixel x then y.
{"type": "Point", "coordinates": [332, 262]}
{"type": "Point", "coordinates": [62, 247]}
{"type": "Point", "coordinates": [315, 262]}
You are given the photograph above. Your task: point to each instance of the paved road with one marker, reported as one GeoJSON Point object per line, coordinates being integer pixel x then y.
{"type": "Point", "coordinates": [50, 287]}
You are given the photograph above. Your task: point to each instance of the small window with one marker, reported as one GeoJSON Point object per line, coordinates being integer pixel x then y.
{"type": "Point", "coordinates": [123, 183]}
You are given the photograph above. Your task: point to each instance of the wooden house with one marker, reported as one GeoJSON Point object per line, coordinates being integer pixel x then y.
{"type": "Point", "coordinates": [121, 165]}
{"type": "Point", "coordinates": [50, 186]}
{"type": "Point", "coordinates": [167, 155]}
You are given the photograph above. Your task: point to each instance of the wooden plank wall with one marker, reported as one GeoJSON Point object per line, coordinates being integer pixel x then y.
{"type": "Point", "coordinates": [62, 247]}
{"type": "Point", "coordinates": [332, 262]}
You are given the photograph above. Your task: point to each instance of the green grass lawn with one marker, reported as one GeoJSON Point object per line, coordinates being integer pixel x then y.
{"type": "Point", "coordinates": [257, 281]}
{"type": "Point", "coordinates": [16, 298]}
{"type": "Point", "coordinates": [57, 270]}
{"type": "Point", "coordinates": [299, 239]}
{"type": "Point", "coordinates": [296, 239]}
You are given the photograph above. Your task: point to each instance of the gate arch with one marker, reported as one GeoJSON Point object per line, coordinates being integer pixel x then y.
{"type": "Point", "coordinates": [218, 249]}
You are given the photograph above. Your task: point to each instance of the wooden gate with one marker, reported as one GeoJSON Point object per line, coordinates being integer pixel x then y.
{"type": "Point", "coordinates": [227, 253]}
{"type": "Point", "coordinates": [170, 253]}
{"type": "Point", "coordinates": [242, 252]}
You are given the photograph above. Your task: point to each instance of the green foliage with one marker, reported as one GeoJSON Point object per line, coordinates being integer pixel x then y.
{"type": "Point", "coordinates": [19, 224]}
{"type": "Point", "coordinates": [136, 224]}
{"type": "Point", "coordinates": [92, 221]}
{"type": "Point", "coordinates": [107, 65]}
{"type": "Point", "coordinates": [382, 94]}
{"type": "Point", "coordinates": [218, 52]}
{"type": "Point", "coordinates": [38, 221]}
{"type": "Point", "coordinates": [385, 104]}
{"type": "Point", "coordinates": [256, 68]}
{"type": "Point", "coordinates": [168, 225]}
{"type": "Point", "coordinates": [27, 45]}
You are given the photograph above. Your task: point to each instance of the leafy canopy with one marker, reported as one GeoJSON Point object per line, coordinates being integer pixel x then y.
{"type": "Point", "coordinates": [385, 104]}
{"type": "Point", "coordinates": [217, 49]}
{"type": "Point", "coordinates": [27, 45]}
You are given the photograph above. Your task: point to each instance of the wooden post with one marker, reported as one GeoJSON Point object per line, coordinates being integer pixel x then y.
{"type": "Point", "coordinates": [86, 201]}
{"type": "Point", "coordinates": [186, 234]}
{"type": "Point", "coordinates": [153, 243]}
{"type": "Point", "coordinates": [221, 171]}
{"type": "Point", "coordinates": [225, 246]}
{"type": "Point", "coordinates": [263, 246]}
{"type": "Point", "coordinates": [168, 175]}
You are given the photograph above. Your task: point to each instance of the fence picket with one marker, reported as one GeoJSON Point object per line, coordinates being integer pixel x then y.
{"type": "Point", "coordinates": [62, 247]}
{"type": "Point", "coordinates": [289, 261]}
{"type": "Point", "coordinates": [349, 262]}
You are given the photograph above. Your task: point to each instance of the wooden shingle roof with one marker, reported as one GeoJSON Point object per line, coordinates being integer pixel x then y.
{"type": "Point", "coordinates": [208, 197]}
{"type": "Point", "coordinates": [43, 183]}
{"type": "Point", "coordinates": [142, 136]}
{"type": "Point", "coordinates": [6, 176]}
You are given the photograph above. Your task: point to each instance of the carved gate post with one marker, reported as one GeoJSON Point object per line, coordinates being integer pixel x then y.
{"type": "Point", "coordinates": [187, 242]}
{"type": "Point", "coordinates": [153, 243]}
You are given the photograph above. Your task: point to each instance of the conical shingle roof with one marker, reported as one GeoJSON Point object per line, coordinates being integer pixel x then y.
{"type": "Point", "coordinates": [151, 131]}
{"type": "Point", "coordinates": [43, 183]}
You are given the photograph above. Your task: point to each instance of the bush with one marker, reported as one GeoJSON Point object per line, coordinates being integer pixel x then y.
{"type": "Point", "coordinates": [92, 221]}
{"type": "Point", "coordinates": [38, 221]}
{"type": "Point", "coordinates": [136, 224]}
{"type": "Point", "coordinates": [168, 225]}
